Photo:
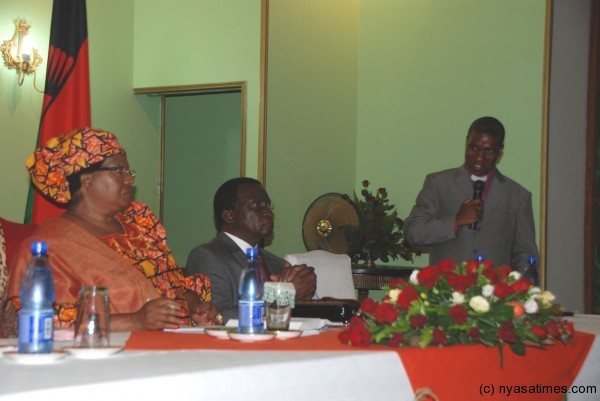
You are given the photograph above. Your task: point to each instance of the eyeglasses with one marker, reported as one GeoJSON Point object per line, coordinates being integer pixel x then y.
{"type": "Point", "coordinates": [486, 151]}
{"type": "Point", "coordinates": [259, 206]}
{"type": "Point", "coordinates": [119, 170]}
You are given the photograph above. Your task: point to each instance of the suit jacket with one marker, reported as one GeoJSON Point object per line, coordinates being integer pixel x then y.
{"type": "Point", "coordinates": [222, 261]}
{"type": "Point", "coordinates": [504, 235]}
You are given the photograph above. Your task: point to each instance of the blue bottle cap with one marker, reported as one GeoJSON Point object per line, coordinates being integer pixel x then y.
{"type": "Point", "coordinates": [39, 248]}
{"type": "Point", "coordinates": [252, 253]}
{"type": "Point", "coordinates": [532, 260]}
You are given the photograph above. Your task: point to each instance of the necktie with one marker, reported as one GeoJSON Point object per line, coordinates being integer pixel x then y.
{"type": "Point", "coordinates": [264, 270]}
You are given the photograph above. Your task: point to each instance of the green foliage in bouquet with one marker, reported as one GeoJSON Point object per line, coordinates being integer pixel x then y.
{"type": "Point", "coordinates": [469, 303]}
{"type": "Point", "coordinates": [382, 234]}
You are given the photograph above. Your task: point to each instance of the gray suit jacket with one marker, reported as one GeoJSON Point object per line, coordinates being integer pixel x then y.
{"type": "Point", "coordinates": [222, 261]}
{"type": "Point", "coordinates": [504, 235]}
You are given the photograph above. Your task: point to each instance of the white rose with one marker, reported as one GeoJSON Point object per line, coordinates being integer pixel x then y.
{"type": "Point", "coordinates": [534, 292]}
{"type": "Point", "coordinates": [531, 306]}
{"type": "Point", "coordinates": [515, 274]}
{"type": "Point", "coordinates": [394, 295]}
{"type": "Point", "coordinates": [457, 298]}
{"type": "Point", "coordinates": [479, 304]}
{"type": "Point", "coordinates": [487, 290]}
{"type": "Point", "coordinates": [413, 277]}
{"type": "Point", "coordinates": [547, 298]}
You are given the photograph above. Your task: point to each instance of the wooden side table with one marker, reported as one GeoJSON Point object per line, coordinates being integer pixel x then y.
{"type": "Point", "coordinates": [375, 278]}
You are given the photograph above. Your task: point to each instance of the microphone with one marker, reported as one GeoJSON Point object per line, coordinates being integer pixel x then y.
{"type": "Point", "coordinates": [478, 187]}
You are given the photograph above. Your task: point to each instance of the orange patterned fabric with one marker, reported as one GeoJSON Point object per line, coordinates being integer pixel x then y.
{"type": "Point", "coordinates": [67, 154]}
{"type": "Point", "coordinates": [142, 267]}
{"type": "Point", "coordinates": [144, 245]}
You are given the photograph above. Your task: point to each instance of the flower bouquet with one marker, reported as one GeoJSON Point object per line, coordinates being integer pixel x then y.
{"type": "Point", "coordinates": [469, 303]}
{"type": "Point", "coordinates": [382, 234]}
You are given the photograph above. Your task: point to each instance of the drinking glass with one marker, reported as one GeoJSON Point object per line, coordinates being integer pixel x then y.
{"type": "Point", "coordinates": [92, 329]}
{"type": "Point", "coordinates": [279, 300]}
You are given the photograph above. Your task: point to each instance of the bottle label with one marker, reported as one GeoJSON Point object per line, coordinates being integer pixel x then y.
{"type": "Point", "coordinates": [251, 313]}
{"type": "Point", "coordinates": [35, 327]}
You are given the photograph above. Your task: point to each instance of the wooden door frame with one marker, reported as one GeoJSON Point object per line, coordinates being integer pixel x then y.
{"type": "Point", "coordinates": [592, 202]}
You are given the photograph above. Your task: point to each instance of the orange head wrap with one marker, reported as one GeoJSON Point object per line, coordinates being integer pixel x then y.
{"type": "Point", "coordinates": [68, 154]}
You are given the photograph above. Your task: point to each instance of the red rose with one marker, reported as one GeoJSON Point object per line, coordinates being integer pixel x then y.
{"type": "Point", "coordinates": [522, 285]}
{"type": "Point", "coordinates": [504, 271]}
{"type": "Point", "coordinates": [382, 191]}
{"type": "Point", "coordinates": [506, 333]}
{"type": "Point", "coordinates": [459, 282]}
{"type": "Point", "coordinates": [407, 296]}
{"type": "Point", "coordinates": [368, 306]}
{"type": "Point", "coordinates": [502, 290]}
{"type": "Point", "coordinates": [540, 331]}
{"type": "Point", "coordinates": [439, 336]}
{"type": "Point", "coordinates": [459, 314]}
{"type": "Point", "coordinates": [386, 313]}
{"type": "Point", "coordinates": [552, 327]}
{"type": "Point", "coordinates": [418, 321]}
{"type": "Point", "coordinates": [493, 275]}
{"type": "Point", "coordinates": [447, 266]}
{"type": "Point", "coordinates": [487, 264]}
{"type": "Point", "coordinates": [356, 321]}
{"type": "Point", "coordinates": [396, 340]}
{"type": "Point", "coordinates": [474, 334]}
{"type": "Point", "coordinates": [472, 266]}
{"type": "Point", "coordinates": [371, 198]}
{"type": "Point", "coordinates": [355, 335]}
{"type": "Point", "coordinates": [365, 183]}
{"type": "Point", "coordinates": [568, 328]}
{"type": "Point", "coordinates": [397, 283]}
{"type": "Point", "coordinates": [429, 276]}
{"type": "Point", "coordinates": [399, 222]}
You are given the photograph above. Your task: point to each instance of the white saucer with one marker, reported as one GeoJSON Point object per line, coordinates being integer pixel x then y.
{"type": "Point", "coordinates": [249, 338]}
{"type": "Point", "coordinates": [4, 348]}
{"type": "Point", "coordinates": [92, 353]}
{"type": "Point", "coordinates": [35, 359]}
{"type": "Point", "coordinates": [284, 335]}
{"type": "Point", "coordinates": [218, 332]}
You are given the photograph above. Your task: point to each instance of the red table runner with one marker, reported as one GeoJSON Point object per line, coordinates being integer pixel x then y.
{"type": "Point", "coordinates": [456, 373]}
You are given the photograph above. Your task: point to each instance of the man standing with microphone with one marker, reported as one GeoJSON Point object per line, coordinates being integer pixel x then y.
{"type": "Point", "coordinates": [474, 209]}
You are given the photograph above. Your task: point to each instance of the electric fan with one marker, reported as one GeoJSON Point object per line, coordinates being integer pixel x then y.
{"type": "Point", "coordinates": [331, 223]}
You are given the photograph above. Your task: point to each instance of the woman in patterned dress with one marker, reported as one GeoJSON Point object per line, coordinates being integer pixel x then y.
{"type": "Point", "coordinates": [106, 239]}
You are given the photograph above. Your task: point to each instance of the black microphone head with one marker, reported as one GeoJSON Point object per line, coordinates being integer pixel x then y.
{"type": "Point", "coordinates": [478, 185]}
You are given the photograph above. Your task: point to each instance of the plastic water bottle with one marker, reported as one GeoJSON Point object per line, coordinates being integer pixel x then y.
{"type": "Point", "coordinates": [36, 323]}
{"type": "Point", "coordinates": [532, 272]}
{"type": "Point", "coordinates": [251, 305]}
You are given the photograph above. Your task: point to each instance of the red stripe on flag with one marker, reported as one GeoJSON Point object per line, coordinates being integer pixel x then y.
{"type": "Point", "coordinates": [67, 92]}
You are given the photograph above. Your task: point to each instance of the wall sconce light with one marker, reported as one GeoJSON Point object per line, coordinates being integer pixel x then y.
{"type": "Point", "coordinates": [19, 54]}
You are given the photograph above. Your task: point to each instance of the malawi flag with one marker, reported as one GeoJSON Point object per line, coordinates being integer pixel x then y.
{"type": "Point", "coordinates": [67, 92]}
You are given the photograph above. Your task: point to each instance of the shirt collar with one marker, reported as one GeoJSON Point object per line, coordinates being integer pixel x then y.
{"type": "Point", "coordinates": [239, 242]}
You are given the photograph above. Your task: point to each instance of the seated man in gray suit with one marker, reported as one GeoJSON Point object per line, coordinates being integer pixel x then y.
{"type": "Point", "coordinates": [244, 217]}
{"type": "Point", "coordinates": [447, 217]}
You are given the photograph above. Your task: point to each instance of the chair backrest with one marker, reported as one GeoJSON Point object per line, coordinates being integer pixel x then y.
{"type": "Point", "coordinates": [11, 236]}
{"type": "Point", "coordinates": [334, 272]}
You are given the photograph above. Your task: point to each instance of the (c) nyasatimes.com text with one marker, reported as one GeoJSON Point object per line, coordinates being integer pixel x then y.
{"type": "Point", "coordinates": [490, 389]}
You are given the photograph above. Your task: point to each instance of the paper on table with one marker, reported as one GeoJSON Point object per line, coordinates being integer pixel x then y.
{"type": "Point", "coordinates": [186, 329]}
{"type": "Point", "coordinates": [300, 323]}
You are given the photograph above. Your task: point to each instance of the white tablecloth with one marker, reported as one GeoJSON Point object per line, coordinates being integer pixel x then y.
{"type": "Point", "coordinates": [231, 375]}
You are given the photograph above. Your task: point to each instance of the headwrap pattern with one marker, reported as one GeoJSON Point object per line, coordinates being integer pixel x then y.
{"type": "Point", "coordinates": [67, 154]}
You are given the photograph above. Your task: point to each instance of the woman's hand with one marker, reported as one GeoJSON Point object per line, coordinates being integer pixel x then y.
{"type": "Point", "coordinates": [157, 314]}
{"type": "Point", "coordinates": [207, 314]}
